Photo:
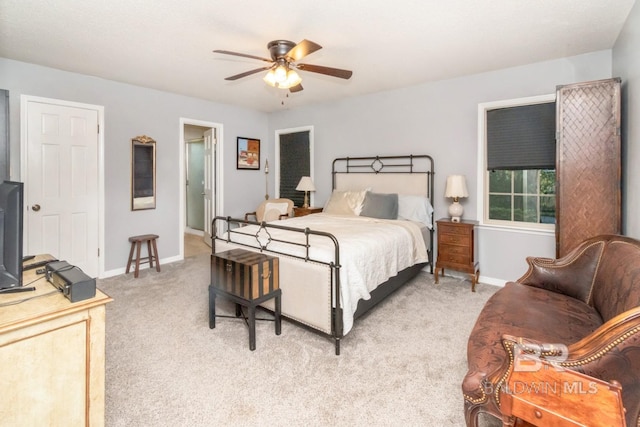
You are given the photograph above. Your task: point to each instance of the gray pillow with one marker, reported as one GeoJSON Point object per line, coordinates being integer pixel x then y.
{"type": "Point", "coordinates": [379, 205]}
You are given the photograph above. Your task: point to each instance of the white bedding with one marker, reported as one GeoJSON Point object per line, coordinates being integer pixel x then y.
{"type": "Point", "coordinates": [371, 250]}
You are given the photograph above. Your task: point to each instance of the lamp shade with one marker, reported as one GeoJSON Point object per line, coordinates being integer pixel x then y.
{"type": "Point", "coordinates": [456, 187]}
{"type": "Point", "coordinates": [306, 184]}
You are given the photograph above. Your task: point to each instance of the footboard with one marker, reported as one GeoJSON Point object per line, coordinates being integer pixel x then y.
{"type": "Point", "coordinates": [310, 285]}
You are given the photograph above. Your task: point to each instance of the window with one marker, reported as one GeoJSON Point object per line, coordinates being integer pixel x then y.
{"type": "Point", "coordinates": [518, 169]}
{"type": "Point", "coordinates": [294, 148]}
{"type": "Point", "coordinates": [522, 196]}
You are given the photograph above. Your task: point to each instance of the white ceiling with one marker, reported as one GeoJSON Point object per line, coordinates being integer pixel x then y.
{"type": "Point", "coordinates": [168, 44]}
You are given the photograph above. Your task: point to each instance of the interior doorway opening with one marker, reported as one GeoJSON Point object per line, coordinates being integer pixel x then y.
{"type": "Point", "coordinates": [201, 187]}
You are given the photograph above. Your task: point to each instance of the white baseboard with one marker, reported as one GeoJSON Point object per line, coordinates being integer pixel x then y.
{"type": "Point", "coordinates": [482, 279]}
{"type": "Point", "coordinates": [190, 230]}
{"type": "Point", "coordinates": [122, 270]}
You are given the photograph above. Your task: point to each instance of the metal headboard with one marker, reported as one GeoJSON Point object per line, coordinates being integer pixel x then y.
{"type": "Point", "coordinates": [419, 166]}
{"type": "Point", "coordinates": [408, 174]}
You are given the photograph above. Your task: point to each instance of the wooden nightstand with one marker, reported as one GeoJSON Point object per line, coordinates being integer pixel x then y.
{"type": "Point", "coordinates": [305, 211]}
{"type": "Point", "coordinates": [457, 248]}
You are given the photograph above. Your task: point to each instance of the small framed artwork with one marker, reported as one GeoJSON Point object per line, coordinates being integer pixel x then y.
{"type": "Point", "coordinates": [248, 153]}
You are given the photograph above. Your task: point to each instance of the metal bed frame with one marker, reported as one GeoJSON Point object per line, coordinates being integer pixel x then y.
{"type": "Point", "coordinates": [347, 165]}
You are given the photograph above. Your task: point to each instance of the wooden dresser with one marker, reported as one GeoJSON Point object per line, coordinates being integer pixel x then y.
{"type": "Point", "coordinates": [457, 248]}
{"type": "Point", "coordinates": [53, 357]}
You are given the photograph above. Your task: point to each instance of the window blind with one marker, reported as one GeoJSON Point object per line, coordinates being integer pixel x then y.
{"type": "Point", "coordinates": [294, 164]}
{"type": "Point", "coordinates": [522, 137]}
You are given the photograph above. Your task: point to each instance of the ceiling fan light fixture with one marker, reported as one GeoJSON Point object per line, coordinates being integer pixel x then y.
{"type": "Point", "coordinates": [280, 73]}
{"type": "Point", "coordinates": [293, 79]}
{"type": "Point", "coordinates": [270, 78]}
{"type": "Point", "coordinates": [288, 80]}
{"type": "Point", "coordinates": [285, 55]}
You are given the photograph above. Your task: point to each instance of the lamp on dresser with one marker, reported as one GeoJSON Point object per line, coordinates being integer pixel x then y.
{"type": "Point", "coordinates": [456, 189]}
{"type": "Point", "coordinates": [306, 185]}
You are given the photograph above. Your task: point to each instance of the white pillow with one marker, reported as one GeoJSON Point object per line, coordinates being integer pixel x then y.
{"type": "Point", "coordinates": [345, 202]}
{"type": "Point", "coordinates": [415, 208]}
{"type": "Point", "coordinates": [272, 211]}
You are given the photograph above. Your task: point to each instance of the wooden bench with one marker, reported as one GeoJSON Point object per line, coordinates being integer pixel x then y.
{"type": "Point", "coordinates": [152, 252]}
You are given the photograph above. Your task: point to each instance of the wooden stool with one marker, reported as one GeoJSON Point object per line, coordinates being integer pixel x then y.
{"type": "Point", "coordinates": [152, 252]}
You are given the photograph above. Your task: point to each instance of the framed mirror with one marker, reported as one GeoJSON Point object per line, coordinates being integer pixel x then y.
{"type": "Point", "coordinates": [143, 173]}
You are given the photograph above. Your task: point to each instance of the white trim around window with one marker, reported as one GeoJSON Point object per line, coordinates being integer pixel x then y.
{"type": "Point", "coordinates": [482, 195]}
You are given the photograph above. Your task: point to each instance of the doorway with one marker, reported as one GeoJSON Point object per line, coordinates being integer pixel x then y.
{"type": "Point", "coordinates": [201, 186]}
{"type": "Point", "coordinates": [194, 156]}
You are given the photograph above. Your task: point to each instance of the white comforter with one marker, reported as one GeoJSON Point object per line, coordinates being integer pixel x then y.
{"type": "Point", "coordinates": [371, 250]}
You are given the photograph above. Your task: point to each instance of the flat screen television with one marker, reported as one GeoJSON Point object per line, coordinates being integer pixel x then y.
{"type": "Point", "coordinates": [11, 223]}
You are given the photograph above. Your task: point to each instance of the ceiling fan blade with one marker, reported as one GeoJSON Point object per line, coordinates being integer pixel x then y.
{"type": "Point", "coordinates": [296, 88]}
{"type": "Point", "coordinates": [247, 73]}
{"type": "Point", "coordinates": [244, 55]}
{"type": "Point", "coordinates": [335, 72]}
{"type": "Point", "coordinates": [302, 49]}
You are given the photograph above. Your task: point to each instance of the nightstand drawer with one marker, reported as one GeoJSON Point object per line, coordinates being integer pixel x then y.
{"type": "Point", "coordinates": [454, 250]}
{"type": "Point", "coordinates": [454, 259]}
{"type": "Point", "coordinates": [454, 239]}
{"type": "Point", "coordinates": [454, 229]}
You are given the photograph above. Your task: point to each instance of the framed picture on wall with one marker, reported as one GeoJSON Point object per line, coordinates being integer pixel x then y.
{"type": "Point", "coordinates": [248, 153]}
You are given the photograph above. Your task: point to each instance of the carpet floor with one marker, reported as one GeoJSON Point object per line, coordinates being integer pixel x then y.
{"type": "Point", "coordinates": [402, 364]}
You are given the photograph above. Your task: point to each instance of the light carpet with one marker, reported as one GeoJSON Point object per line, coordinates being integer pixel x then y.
{"type": "Point", "coordinates": [402, 364]}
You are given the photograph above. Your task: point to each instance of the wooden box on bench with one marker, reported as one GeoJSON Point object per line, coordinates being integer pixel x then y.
{"type": "Point", "coordinates": [249, 275]}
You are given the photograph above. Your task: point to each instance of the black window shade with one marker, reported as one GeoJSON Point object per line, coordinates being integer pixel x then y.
{"type": "Point", "coordinates": [294, 164]}
{"type": "Point", "coordinates": [522, 137]}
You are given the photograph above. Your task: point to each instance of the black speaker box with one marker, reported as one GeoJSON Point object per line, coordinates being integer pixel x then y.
{"type": "Point", "coordinates": [71, 280]}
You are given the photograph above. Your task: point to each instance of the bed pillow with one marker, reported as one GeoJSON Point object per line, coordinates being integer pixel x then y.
{"type": "Point", "coordinates": [415, 208]}
{"type": "Point", "coordinates": [379, 205]}
{"type": "Point", "coordinates": [345, 202]}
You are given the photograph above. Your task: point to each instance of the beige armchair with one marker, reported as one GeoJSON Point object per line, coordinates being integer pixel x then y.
{"type": "Point", "coordinates": [272, 210]}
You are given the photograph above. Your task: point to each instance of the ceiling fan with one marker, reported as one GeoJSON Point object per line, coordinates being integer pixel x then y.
{"type": "Point", "coordinates": [283, 63]}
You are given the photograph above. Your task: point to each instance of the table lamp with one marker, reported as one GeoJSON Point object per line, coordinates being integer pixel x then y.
{"type": "Point", "coordinates": [456, 189]}
{"type": "Point", "coordinates": [306, 185]}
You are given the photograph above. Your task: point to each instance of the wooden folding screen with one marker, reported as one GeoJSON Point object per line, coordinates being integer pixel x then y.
{"type": "Point", "coordinates": [588, 162]}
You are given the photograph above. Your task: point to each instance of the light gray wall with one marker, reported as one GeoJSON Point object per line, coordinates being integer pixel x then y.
{"type": "Point", "coordinates": [437, 118]}
{"type": "Point", "coordinates": [131, 111]}
{"type": "Point", "coordinates": [626, 64]}
{"type": "Point", "coordinates": [440, 119]}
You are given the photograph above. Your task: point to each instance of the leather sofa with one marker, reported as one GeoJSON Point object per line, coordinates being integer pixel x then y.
{"type": "Point", "coordinates": [588, 302]}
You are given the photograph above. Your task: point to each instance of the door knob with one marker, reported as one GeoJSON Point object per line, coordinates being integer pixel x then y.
{"type": "Point", "coordinates": [35, 208]}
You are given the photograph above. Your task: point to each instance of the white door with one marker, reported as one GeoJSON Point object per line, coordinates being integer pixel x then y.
{"type": "Point", "coordinates": [209, 182]}
{"type": "Point", "coordinates": [62, 183]}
